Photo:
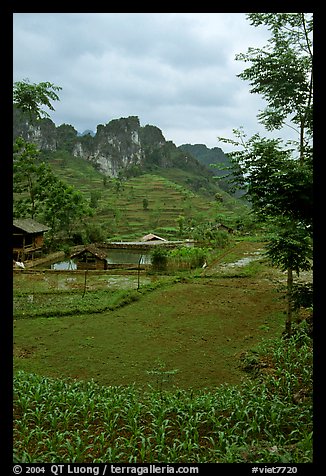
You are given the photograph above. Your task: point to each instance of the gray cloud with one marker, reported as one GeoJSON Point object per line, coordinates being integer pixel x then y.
{"type": "Point", "coordinates": [174, 70]}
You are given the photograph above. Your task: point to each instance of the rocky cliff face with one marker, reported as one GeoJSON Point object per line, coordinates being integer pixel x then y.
{"type": "Point", "coordinates": [42, 133]}
{"type": "Point", "coordinates": [122, 146]}
{"type": "Point", "coordinates": [116, 146]}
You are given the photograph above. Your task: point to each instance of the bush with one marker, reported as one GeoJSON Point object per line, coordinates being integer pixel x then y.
{"type": "Point", "coordinates": [159, 258]}
{"type": "Point", "coordinates": [95, 233]}
{"type": "Point", "coordinates": [187, 257]}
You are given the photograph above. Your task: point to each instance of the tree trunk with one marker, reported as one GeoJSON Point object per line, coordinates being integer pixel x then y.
{"type": "Point", "coordinates": [288, 323]}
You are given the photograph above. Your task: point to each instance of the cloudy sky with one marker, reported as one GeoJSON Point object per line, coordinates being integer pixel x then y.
{"type": "Point", "coordinates": [176, 71]}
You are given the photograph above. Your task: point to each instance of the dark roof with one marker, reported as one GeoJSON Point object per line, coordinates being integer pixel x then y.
{"type": "Point", "coordinates": [91, 249]}
{"type": "Point", "coordinates": [30, 226]}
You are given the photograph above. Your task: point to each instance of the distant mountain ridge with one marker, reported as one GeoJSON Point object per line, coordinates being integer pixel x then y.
{"type": "Point", "coordinates": [86, 131]}
{"type": "Point", "coordinates": [214, 159]}
{"type": "Point", "coordinates": [207, 156]}
{"type": "Point", "coordinates": [124, 147]}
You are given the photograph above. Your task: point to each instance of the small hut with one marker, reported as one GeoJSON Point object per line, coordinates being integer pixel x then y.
{"type": "Point", "coordinates": [152, 237]}
{"type": "Point", "coordinates": [90, 257]}
{"type": "Point", "coordinates": [28, 238]}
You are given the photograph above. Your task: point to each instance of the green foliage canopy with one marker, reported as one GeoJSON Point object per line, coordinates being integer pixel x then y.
{"type": "Point", "coordinates": [279, 184]}
{"type": "Point", "coordinates": [31, 98]}
{"type": "Point", "coordinates": [282, 71]}
{"type": "Point", "coordinates": [275, 183]}
{"type": "Point", "coordinates": [39, 193]}
{"type": "Point", "coordinates": [291, 247]}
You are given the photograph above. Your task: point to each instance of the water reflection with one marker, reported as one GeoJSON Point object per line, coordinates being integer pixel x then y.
{"type": "Point", "coordinates": [113, 257]}
{"type": "Point", "coordinates": [64, 265]}
{"type": "Point", "coordinates": [127, 257]}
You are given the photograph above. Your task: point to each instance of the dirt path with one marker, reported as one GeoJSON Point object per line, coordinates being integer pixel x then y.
{"type": "Point", "coordinates": [241, 254]}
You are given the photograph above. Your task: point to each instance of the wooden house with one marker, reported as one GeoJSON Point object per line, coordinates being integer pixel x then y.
{"type": "Point", "coordinates": [90, 257]}
{"type": "Point", "coordinates": [28, 238]}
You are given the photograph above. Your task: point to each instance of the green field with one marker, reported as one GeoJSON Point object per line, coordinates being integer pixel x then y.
{"type": "Point", "coordinates": [199, 325]}
{"type": "Point", "coordinates": [66, 421]}
{"type": "Point", "coordinates": [160, 374]}
{"type": "Point", "coordinates": [154, 368]}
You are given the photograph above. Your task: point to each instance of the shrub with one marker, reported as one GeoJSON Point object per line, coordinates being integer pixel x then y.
{"type": "Point", "coordinates": [159, 258]}
{"type": "Point", "coordinates": [187, 257]}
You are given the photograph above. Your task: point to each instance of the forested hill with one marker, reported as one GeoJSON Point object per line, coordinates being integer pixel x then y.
{"type": "Point", "coordinates": [208, 157]}
{"type": "Point", "coordinates": [214, 159]}
{"type": "Point", "coordinates": [123, 147]}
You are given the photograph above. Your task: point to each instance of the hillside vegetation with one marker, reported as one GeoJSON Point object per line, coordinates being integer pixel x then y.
{"type": "Point", "coordinates": [134, 180]}
{"type": "Point", "coordinates": [187, 361]}
{"type": "Point", "coordinates": [132, 207]}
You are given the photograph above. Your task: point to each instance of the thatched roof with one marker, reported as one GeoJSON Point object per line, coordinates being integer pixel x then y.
{"type": "Point", "coordinates": [91, 249]}
{"type": "Point", "coordinates": [30, 226]}
{"type": "Point", "coordinates": [152, 237]}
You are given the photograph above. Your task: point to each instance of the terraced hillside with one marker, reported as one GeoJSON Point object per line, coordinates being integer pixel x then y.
{"type": "Point", "coordinates": [147, 203]}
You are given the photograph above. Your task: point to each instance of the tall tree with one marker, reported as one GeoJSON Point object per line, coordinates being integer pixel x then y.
{"type": "Point", "coordinates": [26, 171]}
{"type": "Point", "coordinates": [278, 178]}
{"type": "Point", "coordinates": [282, 73]}
{"type": "Point", "coordinates": [32, 98]}
{"type": "Point", "coordinates": [38, 192]}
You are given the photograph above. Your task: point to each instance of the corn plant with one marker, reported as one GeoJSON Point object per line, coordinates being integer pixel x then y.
{"type": "Point", "coordinates": [262, 420]}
